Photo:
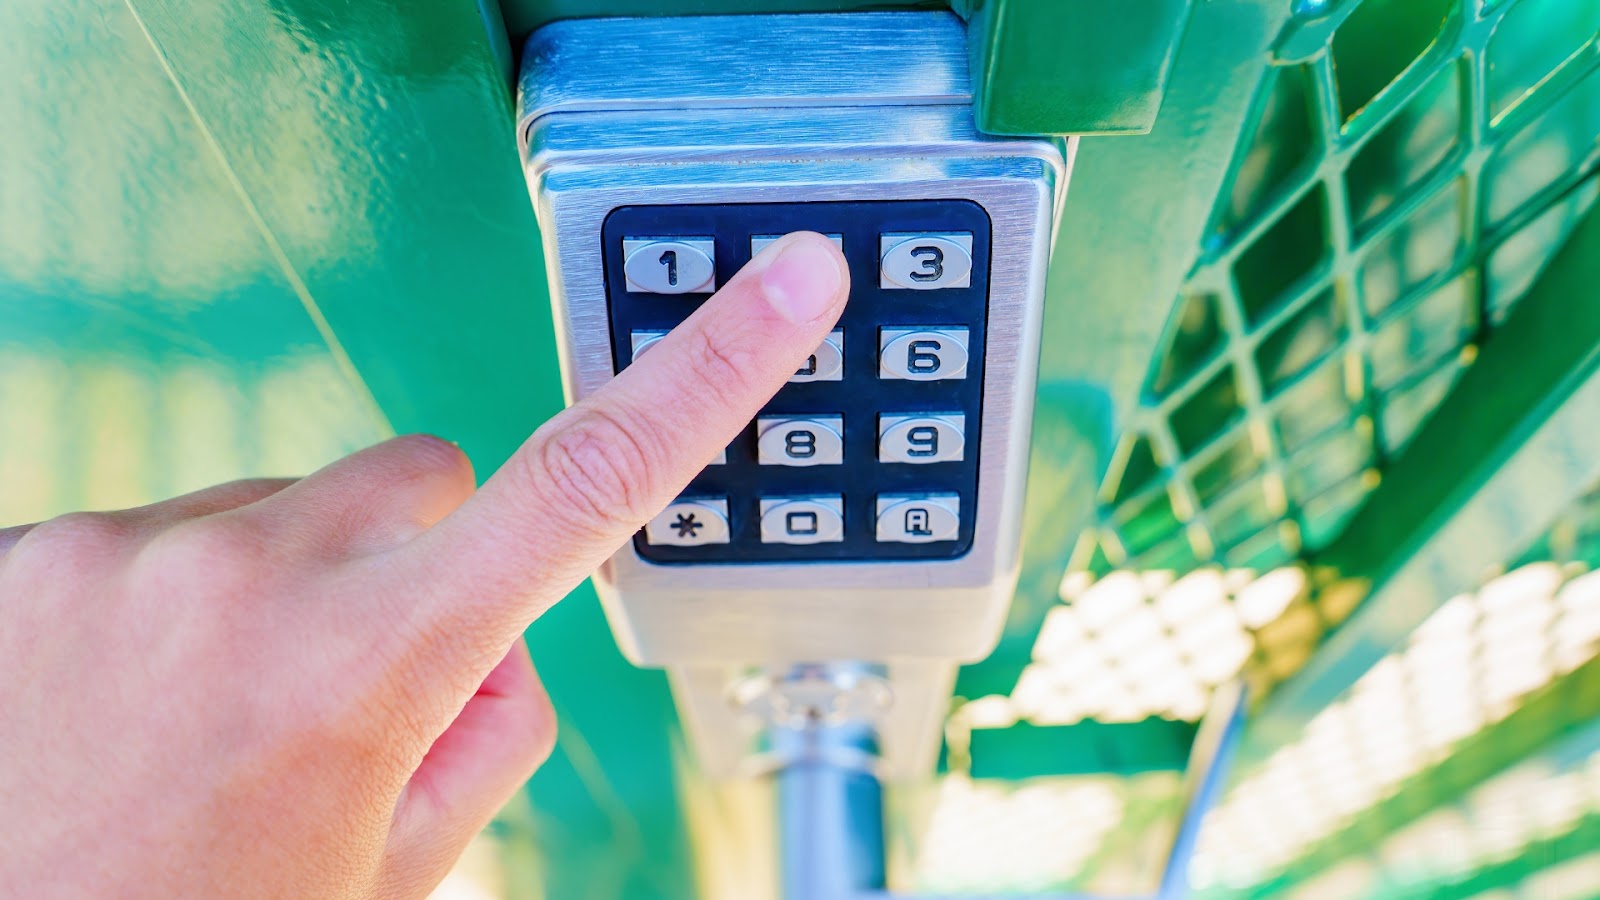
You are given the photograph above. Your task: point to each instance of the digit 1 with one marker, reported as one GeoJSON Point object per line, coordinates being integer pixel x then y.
{"type": "Point", "coordinates": [669, 258]}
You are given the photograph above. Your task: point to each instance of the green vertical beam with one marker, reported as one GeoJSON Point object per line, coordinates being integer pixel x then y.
{"type": "Point", "coordinates": [1134, 221]}
{"type": "Point", "coordinates": [1072, 66]}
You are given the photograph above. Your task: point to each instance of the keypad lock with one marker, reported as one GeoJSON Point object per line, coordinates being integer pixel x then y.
{"type": "Point", "coordinates": [872, 510]}
{"type": "Point", "coordinates": [880, 410]}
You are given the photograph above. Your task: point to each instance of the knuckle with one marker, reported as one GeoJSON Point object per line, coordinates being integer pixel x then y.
{"type": "Point", "coordinates": [78, 538]}
{"type": "Point", "coordinates": [223, 548]}
{"type": "Point", "coordinates": [429, 477]}
{"type": "Point", "coordinates": [434, 457]}
{"type": "Point", "coordinates": [245, 491]}
{"type": "Point", "coordinates": [600, 467]}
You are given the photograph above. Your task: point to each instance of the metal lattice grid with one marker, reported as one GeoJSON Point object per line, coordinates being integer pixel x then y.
{"type": "Point", "coordinates": [1375, 230]}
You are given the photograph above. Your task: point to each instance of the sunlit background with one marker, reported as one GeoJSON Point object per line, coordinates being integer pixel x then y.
{"type": "Point", "coordinates": [246, 239]}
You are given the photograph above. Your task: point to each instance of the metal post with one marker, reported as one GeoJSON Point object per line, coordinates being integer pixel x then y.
{"type": "Point", "coordinates": [830, 807]}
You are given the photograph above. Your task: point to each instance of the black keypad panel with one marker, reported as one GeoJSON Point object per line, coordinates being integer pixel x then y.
{"type": "Point", "coordinates": [871, 444]}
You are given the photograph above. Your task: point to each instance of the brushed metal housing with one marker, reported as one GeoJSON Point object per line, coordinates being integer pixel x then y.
{"type": "Point", "coordinates": [753, 109]}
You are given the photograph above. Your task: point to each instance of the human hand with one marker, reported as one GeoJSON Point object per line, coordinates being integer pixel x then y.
{"type": "Point", "coordinates": [303, 688]}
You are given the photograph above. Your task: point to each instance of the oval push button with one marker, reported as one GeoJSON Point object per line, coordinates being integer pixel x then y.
{"type": "Point", "coordinates": [690, 523]}
{"type": "Point", "coordinates": [918, 518]}
{"type": "Point", "coordinates": [925, 262]}
{"type": "Point", "coordinates": [802, 520]}
{"type": "Point", "coordinates": [669, 265]}
{"type": "Point", "coordinates": [826, 364]}
{"type": "Point", "coordinates": [911, 354]}
{"type": "Point", "coordinates": [814, 441]}
{"type": "Point", "coordinates": [921, 438]}
{"type": "Point", "coordinates": [644, 340]}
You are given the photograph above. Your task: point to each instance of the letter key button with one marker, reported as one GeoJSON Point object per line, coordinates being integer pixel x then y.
{"type": "Point", "coordinates": [918, 518]}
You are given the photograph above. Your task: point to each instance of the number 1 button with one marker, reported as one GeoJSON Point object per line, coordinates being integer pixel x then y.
{"type": "Point", "coordinates": [669, 265]}
{"type": "Point", "coordinates": [922, 354]}
{"type": "Point", "coordinates": [924, 262]}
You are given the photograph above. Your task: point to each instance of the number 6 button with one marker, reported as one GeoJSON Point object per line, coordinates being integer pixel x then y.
{"type": "Point", "coordinates": [921, 438]}
{"type": "Point", "coordinates": [922, 354]}
{"type": "Point", "coordinates": [815, 441]}
{"type": "Point", "coordinates": [924, 262]}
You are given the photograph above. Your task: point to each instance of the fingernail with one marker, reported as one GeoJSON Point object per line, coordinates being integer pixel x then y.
{"type": "Point", "coordinates": [801, 283]}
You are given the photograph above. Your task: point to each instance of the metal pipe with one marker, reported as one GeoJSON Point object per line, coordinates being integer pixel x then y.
{"type": "Point", "coordinates": [830, 809]}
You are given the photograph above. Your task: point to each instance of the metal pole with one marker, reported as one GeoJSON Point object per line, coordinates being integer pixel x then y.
{"type": "Point", "coordinates": [1209, 760]}
{"type": "Point", "coordinates": [830, 809]}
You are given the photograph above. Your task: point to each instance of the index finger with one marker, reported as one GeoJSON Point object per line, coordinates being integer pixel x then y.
{"type": "Point", "coordinates": [590, 477]}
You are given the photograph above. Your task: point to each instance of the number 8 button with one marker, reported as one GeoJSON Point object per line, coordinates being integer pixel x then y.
{"type": "Point", "coordinates": [815, 441]}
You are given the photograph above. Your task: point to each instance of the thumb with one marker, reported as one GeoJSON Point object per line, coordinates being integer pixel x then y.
{"type": "Point", "coordinates": [500, 737]}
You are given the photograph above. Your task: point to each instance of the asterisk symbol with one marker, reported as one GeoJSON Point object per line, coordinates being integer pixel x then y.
{"type": "Point", "coordinates": [687, 526]}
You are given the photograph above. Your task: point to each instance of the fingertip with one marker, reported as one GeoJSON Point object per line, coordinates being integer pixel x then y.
{"type": "Point", "coordinates": [807, 277]}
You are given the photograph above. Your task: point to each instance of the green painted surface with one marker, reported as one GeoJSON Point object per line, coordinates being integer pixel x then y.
{"type": "Point", "coordinates": [1134, 222]}
{"type": "Point", "coordinates": [1027, 751]}
{"type": "Point", "coordinates": [522, 17]}
{"type": "Point", "coordinates": [242, 239]}
{"type": "Point", "coordinates": [1072, 66]}
{"type": "Point", "coordinates": [232, 233]}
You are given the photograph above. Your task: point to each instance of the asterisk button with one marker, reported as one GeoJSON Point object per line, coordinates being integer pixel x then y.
{"type": "Point", "coordinates": [690, 523]}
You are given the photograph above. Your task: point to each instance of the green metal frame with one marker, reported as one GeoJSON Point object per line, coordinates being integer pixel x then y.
{"type": "Point", "coordinates": [1459, 498]}
{"type": "Point", "coordinates": [1566, 709]}
{"type": "Point", "coordinates": [245, 238]}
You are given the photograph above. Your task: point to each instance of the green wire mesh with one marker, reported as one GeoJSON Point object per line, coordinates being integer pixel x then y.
{"type": "Point", "coordinates": [1408, 170]}
{"type": "Point", "coordinates": [1394, 195]}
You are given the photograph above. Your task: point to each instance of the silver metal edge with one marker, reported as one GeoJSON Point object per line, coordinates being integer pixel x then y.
{"type": "Point", "coordinates": [1020, 209]}
{"type": "Point", "coordinates": [817, 59]}
{"type": "Point", "coordinates": [634, 138]}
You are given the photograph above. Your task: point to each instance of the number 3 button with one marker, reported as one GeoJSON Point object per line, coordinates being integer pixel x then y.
{"type": "Point", "coordinates": [925, 262]}
{"type": "Point", "coordinates": [800, 442]}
